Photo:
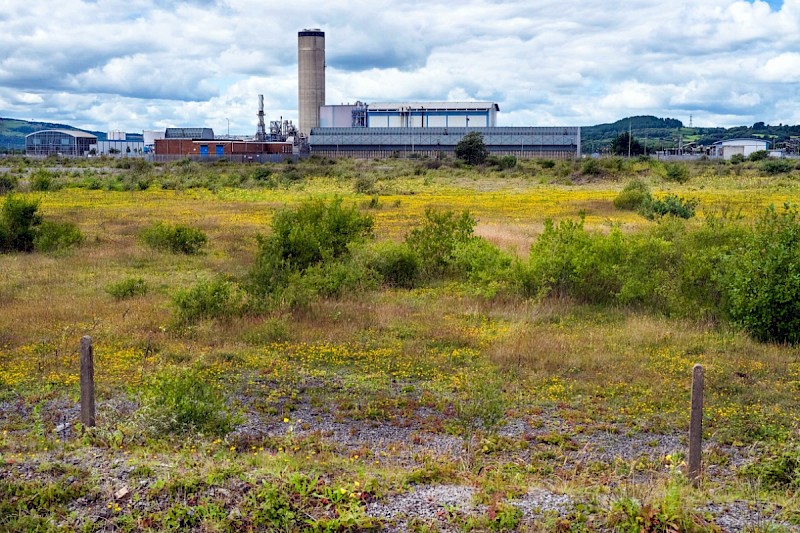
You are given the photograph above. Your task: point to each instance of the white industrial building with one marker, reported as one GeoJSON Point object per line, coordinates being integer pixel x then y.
{"type": "Point", "coordinates": [730, 147]}
{"type": "Point", "coordinates": [117, 145]}
{"type": "Point", "coordinates": [410, 115]}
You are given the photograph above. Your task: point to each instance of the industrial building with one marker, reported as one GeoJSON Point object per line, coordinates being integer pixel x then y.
{"type": "Point", "coordinates": [553, 143]}
{"type": "Point", "coordinates": [117, 145]}
{"type": "Point", "coordinates": [241, 151]}
{"type": "Point", "coordinates": [402, 128]}
{"type": "Point", "coordinates": [410, 115]}
{"type": "Point", "coordinates": [59, 142]}
{"type": "Point", "coordinates": [729, 147]}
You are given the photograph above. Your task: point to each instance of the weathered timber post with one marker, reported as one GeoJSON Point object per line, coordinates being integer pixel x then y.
{"type": "Point", "coordinates": [696, 426]}
{"type": "Point", "coordinates": [87, 382]}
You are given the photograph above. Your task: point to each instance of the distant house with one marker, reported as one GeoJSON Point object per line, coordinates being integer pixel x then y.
{"type": "Point", "coordinates": [59, 142]}
{"type": "Point", "coordinates": [730, 147]}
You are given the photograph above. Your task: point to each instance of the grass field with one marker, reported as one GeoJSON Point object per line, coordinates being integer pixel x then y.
{"type": "Point", "coordinates": [438, 407]}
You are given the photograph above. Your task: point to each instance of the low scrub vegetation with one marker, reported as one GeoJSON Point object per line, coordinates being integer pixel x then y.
{"type": "Point", "coordinates": [178, 239]}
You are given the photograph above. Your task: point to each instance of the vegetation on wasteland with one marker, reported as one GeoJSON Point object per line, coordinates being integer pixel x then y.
{"type": "Point", "coordinates": [303, 346]}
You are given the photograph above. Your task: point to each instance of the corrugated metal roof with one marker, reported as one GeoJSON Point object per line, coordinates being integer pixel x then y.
{"type": "Point", "coordinates": [73, 133]}
{"type": "Point", "coordinates": [433, 105]}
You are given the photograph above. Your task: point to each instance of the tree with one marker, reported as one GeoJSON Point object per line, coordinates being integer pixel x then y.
{"type": "Point", "coordinates": [623, 142]}
{"type": "Point", "coordinates": [472, 149]}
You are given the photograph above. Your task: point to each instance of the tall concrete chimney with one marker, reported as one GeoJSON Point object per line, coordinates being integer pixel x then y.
{"type": "Point", "coordinates": [311, 77]}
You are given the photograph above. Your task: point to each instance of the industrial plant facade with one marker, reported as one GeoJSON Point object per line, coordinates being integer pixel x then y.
{"type": "Point", "coordinates": [231, 150]}
{"type": "Point", "coordinates": [59, 142]}
{"type": "Point", "coordinates": [549, 142]}
{"type": "Point", "coordinates": [410, 115]}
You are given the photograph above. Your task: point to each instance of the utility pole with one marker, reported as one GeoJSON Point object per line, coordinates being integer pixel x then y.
{"type": "Point", "coordinates": [629, 138]}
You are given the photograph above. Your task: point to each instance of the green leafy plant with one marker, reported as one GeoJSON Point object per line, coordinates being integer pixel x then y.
{"type": "Point", "coordinates": [676, 172]}
{"type": "Point", "coordinates": [396, 264]}
{"type": "Point", "coordinates": [215, 298]}
{"type": "Point", "coordinates": [185, 401]}
{"type": "Point", "coordinates": [759, 155]}
{"type": "Point", "coordinates": [312, 233]}
{"type": "Point", "coordinates": [174, 238]}
{"type": "Point", "coordinates": [670, 204]}
{"type": "Point", "coordinates": [776, 166]}
{"type": "Point", "coordinates": [7, 183]}
{"type": "Point", "coordinates": [19, 223]}
{"type": "Point", "coordinates": [56, 236]}
{"type": "Point", "coordinates": [127, 288]}
{"type": "Point", "coordinates": [436, 239]}
{"type": "Point", "coordinates": [633, 196]}
{"type": "Point", "coordinates": [762, 278]}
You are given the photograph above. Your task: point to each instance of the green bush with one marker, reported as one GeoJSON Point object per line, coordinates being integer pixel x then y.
{"type": "Point", "coordinates": [776, 166]}
{"type": "Point", "coordinates": [262, 173]}
{"type": "Point", "coordinates": [591, 167]}
{"type": "Point", "coordinates": [19, 223]}
{"type": "Point", "coordinates": [436, 239]}
{"type": "Point", "coordinates": [482, 263]}
{"type": "Point", "coordinates": [547, 163]}
{"type": "Point", "coordinates": [671, 204]}
{"type": "Point", "coordinates": [396, 264]}
{"type": "Point", "coordinates": [737, 159]}
{"type": "Point", "coordinates": [676, 172]}
{"type": "Point", "coordinates": [176, 239]}
{"type": "Point", "coordinates": [364, 184]}
{"type": "Point", "coordinates": [633, 196]}
{"type": "Point", "coordinates": [566, 260]}
{"type": "Point", "coordinates": [216, 298]}
{"type": "Point", "coordinates": [185, 401]}
{"type": "Point", "coordinates": [762, 278]}
{"type": "Point", "coordinates": [310, 234]}
{"type": "Point", "coordinates": [127, 288]}
{"type": "Point", "coordinates": [759, 155]}
{"type": "Point", "coordinates": [55, 236]}
{"type": "Point", "coordinates": [7, 183]}
{"type": "Point", "coordinates": [43, 180]}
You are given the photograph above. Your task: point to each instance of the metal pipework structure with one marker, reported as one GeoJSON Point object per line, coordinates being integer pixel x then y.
{"type": "Point", "coordinates": [311, 78]}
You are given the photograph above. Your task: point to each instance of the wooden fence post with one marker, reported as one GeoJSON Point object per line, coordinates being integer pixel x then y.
{"type": "Point", "coordinates": [696, 426]}
{"type": "Point", "coordinates": [87, 382]}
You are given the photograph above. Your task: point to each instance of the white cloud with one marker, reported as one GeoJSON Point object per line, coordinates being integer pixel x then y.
{"type": "Point", "coordinates": [142, 64]}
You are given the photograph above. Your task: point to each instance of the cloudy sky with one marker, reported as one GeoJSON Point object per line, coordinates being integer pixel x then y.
{"type": "Point", "coordinates": [147, 64]}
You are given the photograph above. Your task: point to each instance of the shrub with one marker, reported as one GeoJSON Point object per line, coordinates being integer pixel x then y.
{"type": "Point", "coordinates": [19, 222]}
{"type": "Point", "coordinates": [591, 167]}
{"type": "Point", "coordinates": [677, 172]}
{"type": "Point", "coordinates": [759, 155]}
{"type": "Point", "coordinates": [364, 184]}
{"type": "Point", "coordinates": [435, 240]}
{"type": "Point", "coordinates": [127, 288]}
{"type": "Point", "coordinates": [482, 263]}
{"type": "Point", "coordinates": [42, 180]}
{"type": "Point", "coordinates": [776, 166]}
{"type": "Point", "coordinates": [185, 401]}
{"type": "Point", "coordinates": [737, 159]}
{"type": "Point", "coordinates": [762, 278]}
{"type": "Point", "coordinates": [55, 236]}
{"type": "Point", "coordinates": [262, 173]}
{"type": "Point", "coordinates": [312, 233]}
{"type": "Point", "coordinates": [633, 196]}
{"type": "Point", "coordinates": [7, 183]}
{"type": "Point", "coordinates": [175, 239]}
{"type": "Point", "coordinates": [671, 204]}
{"type": "Point", "coordinates": [567, 260]}
{"type": "Point", "coordinates": [547, 163]}
{"type": "Point", "coordinates": [508, 161]}
{"type": "Point", "coordinates": [396, 264]}
{"type": "Point", "coordinates": [216, 298]}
